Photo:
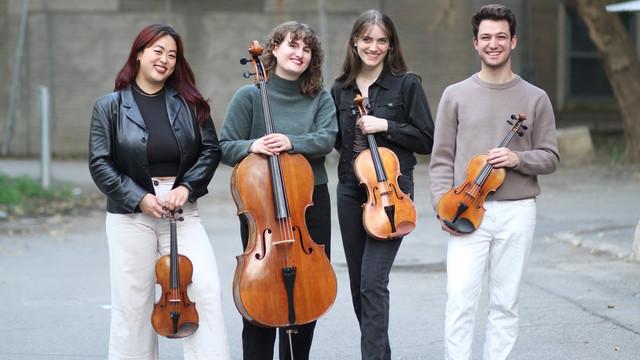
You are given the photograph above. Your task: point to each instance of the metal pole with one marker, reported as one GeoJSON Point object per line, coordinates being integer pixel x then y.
{"type": "Point", "coordinates": [322, 20]}
{"type": "Point", "coordinates": [50, 72]}
{"type": "Point", "coordinates": [8, 129]}
{"type": "Point", "coordinates": [45, 148]}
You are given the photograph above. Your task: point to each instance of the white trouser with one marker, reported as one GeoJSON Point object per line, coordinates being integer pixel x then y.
{"type": "Point", "coordinates": [501, 245]}
{"type": "Point", "coordinates": [136, 241]}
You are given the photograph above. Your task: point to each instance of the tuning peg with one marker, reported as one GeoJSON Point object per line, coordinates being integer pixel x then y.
{"type": "Point", "coordinates": [244, 61]}
{"type": "Point", "coordinates": [520, 133]}
{"type": "Point", "coordinates": [509, 122]}
{"type": "Point", "coordinates": [524, 127]}
{"type": "Point", "coordinates": [180, 219]}
{"type": "Point", "coordinates": [513, 116]}
{"type": "Point", "coordinates": [179, 211]}
{"type": "Point", "coordinates": [247, 74]}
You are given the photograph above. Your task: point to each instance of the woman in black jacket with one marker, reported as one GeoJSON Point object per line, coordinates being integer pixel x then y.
{"type": "Point", "coordinates": [399, 117]}
{"type": "Point", "coordinates": [153, 148]}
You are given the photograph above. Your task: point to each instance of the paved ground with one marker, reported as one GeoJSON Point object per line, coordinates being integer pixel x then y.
{"type": "Point", "coordinates": [580, 299]}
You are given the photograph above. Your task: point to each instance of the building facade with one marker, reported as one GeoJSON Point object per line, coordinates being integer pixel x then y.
{"type": "Point", "coordinates": [76, 48]}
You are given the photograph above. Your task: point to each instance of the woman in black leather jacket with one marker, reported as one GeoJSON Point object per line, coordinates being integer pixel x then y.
{"type": "Point", "coordinates": [399, 117]}
{"type": "Point", "coordinates": [153, 148]}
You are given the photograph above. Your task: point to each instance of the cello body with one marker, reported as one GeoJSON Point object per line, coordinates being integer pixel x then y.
{"type": "Point", "coordinates": [259, 291]}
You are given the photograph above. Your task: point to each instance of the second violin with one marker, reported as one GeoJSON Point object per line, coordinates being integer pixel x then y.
{"type": "Point", "coordinates": [461, 208]}
{"type": "Point", "coordinates": [388, 213]}
{"type": "Point", "coordinates": [174, 315]}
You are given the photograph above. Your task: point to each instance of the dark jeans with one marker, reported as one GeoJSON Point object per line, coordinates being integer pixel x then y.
{"type": "Point", "coordinates": [369, 262]}
{"type": "Point", "coordinates": [257, 341]}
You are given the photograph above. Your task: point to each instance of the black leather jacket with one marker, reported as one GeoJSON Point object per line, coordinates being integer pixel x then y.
{"type": "Point", "coordinates": [402, 102]}
{"type": "Point", "coordinates": [118, 150]}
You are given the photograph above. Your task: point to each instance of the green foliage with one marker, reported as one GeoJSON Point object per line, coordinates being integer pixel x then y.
{"type": "Point", "coordinates": [20, 195]}
{"type": "Point", "coordinates": [609, 148]}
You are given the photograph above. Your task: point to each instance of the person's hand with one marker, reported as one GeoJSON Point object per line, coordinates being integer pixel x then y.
{"type": "Point", "coordinates": [277, 143]}
{"type": "Point", "coordinates": [369, 124]}
{"type": "Point", "coordinates": [502, 157]}
{"type": "Point", "coordinates": [272, 144]}
{"type": "Point", "coordinates": [176, 197]}
{"type": "Point", "coordinates": [152, 206]}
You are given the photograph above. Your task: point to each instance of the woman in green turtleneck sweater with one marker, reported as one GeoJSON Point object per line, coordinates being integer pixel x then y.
{"type": "Point", "coordinates": [304, 122]}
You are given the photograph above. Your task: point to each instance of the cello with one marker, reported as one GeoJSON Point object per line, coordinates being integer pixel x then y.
{"type": "Point", "coordinates": [461, 208]}
{"type": "Point", "coordinates": [388, 213]}
{"type": "Point", "coordinates": [174, 315]}
{"type": "Point", "coordinates": [283, 278]}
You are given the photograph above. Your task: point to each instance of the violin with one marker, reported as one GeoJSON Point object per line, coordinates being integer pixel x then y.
{"type": "Point", "coordinates": [461, 208]}
{"type": "Point", "coordinates": [388, 213]}
{"type": "Point", "coordinates": [283, 278]}
{"type": "Point", "coordinates": [174, 315]}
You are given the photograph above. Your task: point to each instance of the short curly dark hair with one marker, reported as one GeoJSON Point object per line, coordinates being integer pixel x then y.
{"type": "Point", "coordinates": [494, 12]}
{"type": "Point", "coordinates": [311, 79]}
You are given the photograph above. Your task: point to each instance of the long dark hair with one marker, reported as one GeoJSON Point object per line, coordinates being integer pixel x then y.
{"type": "Point", "coordinates": [182, 78]}
{"type": "Point", "coordinates": [311, 79]}
{"type": "Point", "coordinates": [394, 60]}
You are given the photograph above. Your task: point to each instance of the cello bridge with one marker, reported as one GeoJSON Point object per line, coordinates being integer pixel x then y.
{"type": "Point", "coordinates": [282, 242]}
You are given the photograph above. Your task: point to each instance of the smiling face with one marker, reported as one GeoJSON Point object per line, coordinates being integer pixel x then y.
{"type": "Point", "coordinates": [373, 46]}
{"type": "Point", "coordinates": [157, 63]}
{"type": "Point", "coordinates": [494, 44]}
{"type": "Point", "coordinates": [292, 58]}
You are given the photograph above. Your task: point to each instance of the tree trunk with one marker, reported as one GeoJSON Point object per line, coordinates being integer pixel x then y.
{"type": "Point", "coordinates": [621, 66]}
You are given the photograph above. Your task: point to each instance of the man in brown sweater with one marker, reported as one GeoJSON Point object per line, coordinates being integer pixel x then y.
{"type": "Point", "coordinates": [471, 120]}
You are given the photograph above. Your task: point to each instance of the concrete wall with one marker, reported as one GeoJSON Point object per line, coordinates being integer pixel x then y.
{"type": "Point", "coordinates": [79, 45]}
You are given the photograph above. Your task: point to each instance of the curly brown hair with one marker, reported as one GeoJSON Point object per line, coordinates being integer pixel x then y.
{"type": "Point", "coordinates": [311, 79]}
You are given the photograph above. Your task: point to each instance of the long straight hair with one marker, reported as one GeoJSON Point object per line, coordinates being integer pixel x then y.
{"type": "Point", "coordinates": [394, 60]}
{"type": "Point", "coordinates": [311, 79]}
{"type": "Point", "coordinates": [181, 79]}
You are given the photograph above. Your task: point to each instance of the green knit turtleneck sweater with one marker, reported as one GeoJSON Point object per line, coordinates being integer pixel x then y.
{"type": "Point", "coordinates": [310, 123]}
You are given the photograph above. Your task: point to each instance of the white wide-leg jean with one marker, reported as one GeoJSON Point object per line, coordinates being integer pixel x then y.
{"type": "Point", "coordinates": [136, 241]}
{"type": "Point", "coordinates": [501, 246]}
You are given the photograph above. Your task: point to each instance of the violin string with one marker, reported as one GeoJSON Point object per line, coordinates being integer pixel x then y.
{"type": "Point", "coordinates": [174, 266]}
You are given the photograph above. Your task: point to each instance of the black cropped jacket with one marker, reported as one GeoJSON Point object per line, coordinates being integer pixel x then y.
{"type": "Point", "coordinates": [398, 99]}
{"type": "Point", "coordinates": [118, 150]}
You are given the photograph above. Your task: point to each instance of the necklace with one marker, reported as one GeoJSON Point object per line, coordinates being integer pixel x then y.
{"type": "Point", "coordinates": [146, 94]}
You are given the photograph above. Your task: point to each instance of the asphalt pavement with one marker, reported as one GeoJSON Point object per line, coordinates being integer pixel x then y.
{"type": "Point", "coordinates": [580, 296]}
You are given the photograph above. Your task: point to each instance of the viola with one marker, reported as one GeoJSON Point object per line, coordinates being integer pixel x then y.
{"type": "Point", "coordinates": [461, 208]}
{"type": "Point", "coordinates": [283, 278]}
{"type": "Point", "coordinates": [174, 315]}
{"type": "Point", "coordinates": [388, 213]}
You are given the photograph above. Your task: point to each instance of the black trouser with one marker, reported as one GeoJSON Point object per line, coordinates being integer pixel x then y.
{"type": "Point", "coordinates": [369, 262]}
{"type": "Point", "coordinates": [257, 341]}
